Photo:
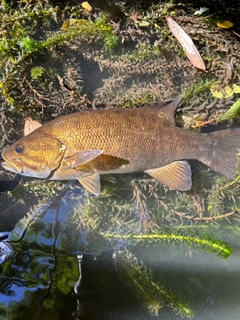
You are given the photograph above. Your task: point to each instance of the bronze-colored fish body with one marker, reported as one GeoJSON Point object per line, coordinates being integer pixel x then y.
{"type": "Point", "coordinates": [87, 144]}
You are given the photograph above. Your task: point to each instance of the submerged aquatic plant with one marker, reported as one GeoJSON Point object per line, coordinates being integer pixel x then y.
{"type": "Point", "coordinates": [205, 243]}
{"type": "Point", "coordinates": [20, 43]}
{"type": "Point", "coordinates": [118, 222]}
{"type": "Point", "coordinates": [49, 55]}
{"type": "Point", "coordinates": [107, 223]}
{"type": "Point", "coordinates": [153, 295]}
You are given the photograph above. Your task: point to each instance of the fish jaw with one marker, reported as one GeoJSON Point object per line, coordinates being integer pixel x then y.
{"type": "Point", "coordinates": [15, 165]}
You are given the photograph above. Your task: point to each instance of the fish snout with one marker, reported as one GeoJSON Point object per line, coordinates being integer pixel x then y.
{"type": "Point", "coordinates": [13, 165]}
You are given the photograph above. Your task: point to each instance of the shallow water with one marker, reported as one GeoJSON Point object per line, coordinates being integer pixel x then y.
{"type": "Point", "coordinates": [57, 262]}
{"type": "Point", "coordinates": [138, 251]}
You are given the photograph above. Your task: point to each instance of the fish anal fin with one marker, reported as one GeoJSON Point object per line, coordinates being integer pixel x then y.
{"type": "Point", "coordinates": [176, 175]}
{"type": "Point", "coordinates": [81, 157]}
{"type": "Point", "coordinates": [91, 183]}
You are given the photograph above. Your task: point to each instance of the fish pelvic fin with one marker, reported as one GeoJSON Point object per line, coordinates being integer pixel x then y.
{"type": "Point", "coordinates": [91, 183]}
{"type": "Point", "coordinates": [176, 175]}
{"type": "Point", "coordinates": [226, 145]}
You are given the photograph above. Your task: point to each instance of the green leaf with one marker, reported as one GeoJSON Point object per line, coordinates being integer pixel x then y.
{"type": "Point", "coordinates": [232, 112]}
{"type": "Point", "coordinates": [74, 24]}
{"type": "Point", "coordinates": [143, 23]}
{"type": "Point", "coordinates": [225, 92]}
{"type": "Point", "coordinates": [225, 24]}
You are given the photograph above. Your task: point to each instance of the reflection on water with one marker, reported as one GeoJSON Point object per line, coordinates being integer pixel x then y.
{"type": "Point", "coordinates": [130, 252]}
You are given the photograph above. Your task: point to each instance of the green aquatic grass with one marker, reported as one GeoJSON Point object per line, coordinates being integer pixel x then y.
{"type": "Point", "coordinates": [203, 242]}
{"type": "Point", "coordinates": [154, 296]}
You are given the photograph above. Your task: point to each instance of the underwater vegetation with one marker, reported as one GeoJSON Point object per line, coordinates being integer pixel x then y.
{"type": "Point", "coordinates": [107, 232]}
{"type": "Point", "coordinates": [61, 58]}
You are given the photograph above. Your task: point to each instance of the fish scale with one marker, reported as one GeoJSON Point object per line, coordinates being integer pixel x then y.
{"type": "Point", "coordinates": [87, 144]}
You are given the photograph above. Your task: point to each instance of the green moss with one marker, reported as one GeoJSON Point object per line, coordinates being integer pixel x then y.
{"type": "Point", "coordinates": [37, 73]}
{"type": "Point", "coordinates": [195, 89]}
{"type": "Point", "coordinates": [22, 48]}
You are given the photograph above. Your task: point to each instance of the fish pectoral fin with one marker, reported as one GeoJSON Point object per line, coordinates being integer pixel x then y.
{"type": "Point", "coordinates": [176, 175]}
{"type": "Point", "coordinates": [91, 183]}
{"type": "Point", "coordinates": [81, 157]}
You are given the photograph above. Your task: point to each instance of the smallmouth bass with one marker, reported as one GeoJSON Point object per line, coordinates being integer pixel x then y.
{"type": "Point", "coordinates": [86, 144]}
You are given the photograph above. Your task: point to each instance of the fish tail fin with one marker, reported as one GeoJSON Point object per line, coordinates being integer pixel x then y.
{"type": "Point", "coordinates": [226, 148]}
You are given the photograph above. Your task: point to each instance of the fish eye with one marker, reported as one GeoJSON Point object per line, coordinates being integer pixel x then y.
{"type": "Point", "coordinates": [19, 149]}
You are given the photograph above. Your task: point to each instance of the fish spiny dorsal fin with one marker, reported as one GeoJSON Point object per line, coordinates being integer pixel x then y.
{"type": "Point", "coordinates": [166, 108]}
{"type": "Point", "coordinates": [30, 125]}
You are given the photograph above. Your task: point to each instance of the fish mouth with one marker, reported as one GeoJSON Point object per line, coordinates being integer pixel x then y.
{"type": "Point", "coordinates": [16, 166]}
{"type": "Point", "coordinates": [12, 165]}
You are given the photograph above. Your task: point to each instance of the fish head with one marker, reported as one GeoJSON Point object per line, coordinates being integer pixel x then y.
{"type": "Point", "coordinates": [35, 155]}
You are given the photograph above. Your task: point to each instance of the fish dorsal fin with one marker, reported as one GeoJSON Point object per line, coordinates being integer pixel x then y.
{"type": "Point", "coordinates": [91, 183]}
{"type": "Point", "coordinates": [167, 108]}
{"type": "Point", "coordinates": [81, 157]}
{"type": "Point", "coordinates": [176, 175]}
{"type": "Point", "coordinates": [30, 125]}
{"type": "Point", "coordinates": [157, 106]}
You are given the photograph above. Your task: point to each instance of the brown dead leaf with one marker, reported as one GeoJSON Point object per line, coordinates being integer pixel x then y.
{"type": "Point", "coordinates": [187, 44]}
{"type": "Point", "coordinates": [133, 17]}
{"type": "Point", "coordinates": [30, 125]}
